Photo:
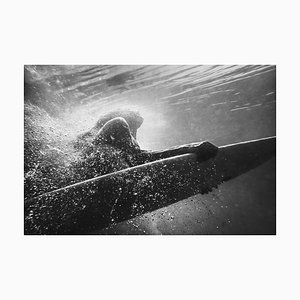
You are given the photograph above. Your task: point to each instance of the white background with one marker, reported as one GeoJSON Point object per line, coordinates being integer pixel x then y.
{"type": "Point", "coordinates": [149, 32]}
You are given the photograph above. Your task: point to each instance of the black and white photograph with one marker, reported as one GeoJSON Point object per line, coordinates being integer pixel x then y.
{"type": "Point", "coordinates": [150, 149]}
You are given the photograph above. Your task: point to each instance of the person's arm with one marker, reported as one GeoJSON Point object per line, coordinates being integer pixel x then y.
{"type": "Point", "coordinates": [203, 150]}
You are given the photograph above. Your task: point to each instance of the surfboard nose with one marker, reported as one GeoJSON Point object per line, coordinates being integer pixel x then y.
{"type": "Point", "coordinates": [245, 156]}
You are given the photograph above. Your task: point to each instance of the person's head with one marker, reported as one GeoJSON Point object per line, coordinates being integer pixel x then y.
{"type": "Point", "coordinates": [133, 119]}
{"type": "Point", "coordinates": [117, 132]}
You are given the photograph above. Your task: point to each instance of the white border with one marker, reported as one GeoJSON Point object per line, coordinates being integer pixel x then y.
{"type": "Point", "coordinates": [156, 32]}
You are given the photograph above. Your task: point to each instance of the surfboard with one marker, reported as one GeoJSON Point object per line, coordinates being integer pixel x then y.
{"type": "Point", "coordinates": [99, 202]}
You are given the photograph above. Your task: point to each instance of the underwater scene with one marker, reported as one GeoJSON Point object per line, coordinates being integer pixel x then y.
{"type": "Point", "coordinates": [143, 149]}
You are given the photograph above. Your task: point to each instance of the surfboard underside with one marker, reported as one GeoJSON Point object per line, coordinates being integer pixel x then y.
{"type": "Point", "coordinates": [113, 198]}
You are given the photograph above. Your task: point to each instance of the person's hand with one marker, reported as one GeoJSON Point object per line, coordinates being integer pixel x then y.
{"type": "Point", "coordinates": [206, 150]}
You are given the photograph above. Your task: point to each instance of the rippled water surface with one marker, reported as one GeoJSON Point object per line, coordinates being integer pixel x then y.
{"type": "Point", "coordinates": [180, 104]}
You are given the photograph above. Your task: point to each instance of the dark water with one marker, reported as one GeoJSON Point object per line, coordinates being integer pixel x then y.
{"type": "Point", "coordinates": [180, 104]}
